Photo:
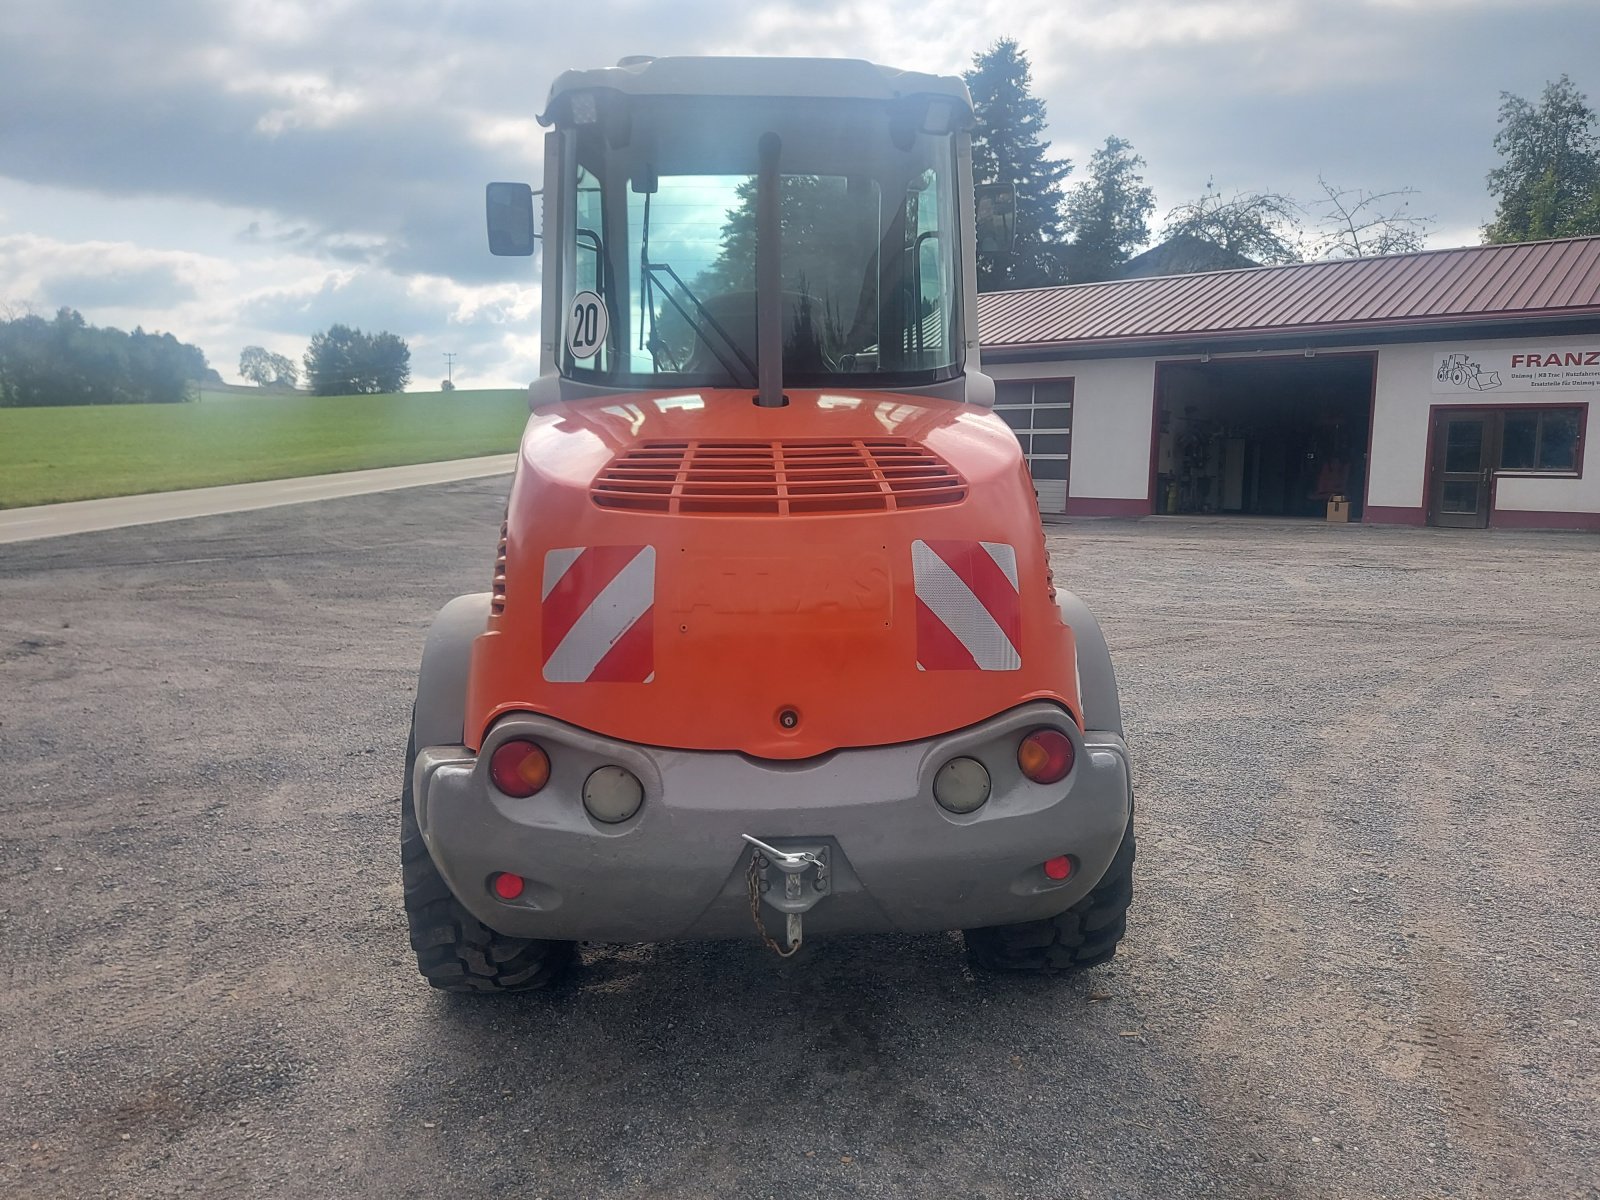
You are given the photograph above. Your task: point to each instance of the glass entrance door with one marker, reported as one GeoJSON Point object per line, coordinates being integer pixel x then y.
{"type": "Point", "coordinates": [1463, 455]}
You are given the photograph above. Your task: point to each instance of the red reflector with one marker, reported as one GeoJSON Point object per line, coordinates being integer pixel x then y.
{"type": "Point", "coordinates": [1046, 755]}
{"type": "Point", "coordinates": [1055, 868]}
{"type": "Point", "coordinates": [508, 886]}
{"type": "Point", "coordinates": [519, 768]}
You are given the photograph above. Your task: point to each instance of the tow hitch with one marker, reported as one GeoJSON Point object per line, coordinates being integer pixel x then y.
{"type": "Point", "coordinates": [797, 894]}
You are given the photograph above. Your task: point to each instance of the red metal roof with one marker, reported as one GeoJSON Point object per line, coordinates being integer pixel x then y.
{"type": "Point", "coordinates": [1477, 283]}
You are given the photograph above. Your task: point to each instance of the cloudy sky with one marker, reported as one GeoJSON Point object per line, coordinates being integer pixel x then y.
{"type": "Point", "coordinates": [254, 170]}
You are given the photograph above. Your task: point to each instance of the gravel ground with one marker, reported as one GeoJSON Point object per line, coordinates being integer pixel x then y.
{"type": "Point", "coordinates": [1363, 956]}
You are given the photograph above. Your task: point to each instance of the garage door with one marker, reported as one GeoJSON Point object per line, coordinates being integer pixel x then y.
{"type": "Point", "coordinates": [1040, 411]}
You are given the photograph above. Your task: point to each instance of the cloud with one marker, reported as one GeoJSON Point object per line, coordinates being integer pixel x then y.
{"type": "Point", "coordinates": [157, 285]}
{"type": "Point", "coordinates": [342, 145]}
{"type": "Point", "coordinates": [371, 121]}
{"type": "Point", "coordinates": [349, 248]}
{"type": "Point", "coordinates": [488, 328]}
{"type": "Point", "coordinates": [95, 276]}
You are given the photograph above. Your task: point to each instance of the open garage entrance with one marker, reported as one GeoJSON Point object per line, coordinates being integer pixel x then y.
{"type": "Point", "coordinates": [1266, 437]}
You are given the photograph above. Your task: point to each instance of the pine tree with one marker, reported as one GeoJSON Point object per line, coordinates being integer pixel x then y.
{"type": "Point", "coordinates": [1108, 213]}
{"type": "Point", "coordinates": [828, 237]}
{"type": "Point", "coordinates": [1008, 146]}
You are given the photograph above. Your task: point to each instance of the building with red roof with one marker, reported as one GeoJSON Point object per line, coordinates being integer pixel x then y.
{"type": "Point", "coordinates": [1446, 387]}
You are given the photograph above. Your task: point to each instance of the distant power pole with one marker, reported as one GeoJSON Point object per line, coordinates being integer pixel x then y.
{"type": "Point", "coordinates": [449, 366]}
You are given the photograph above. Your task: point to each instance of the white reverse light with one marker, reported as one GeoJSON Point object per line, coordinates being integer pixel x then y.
{"type": "Point", "coordinates": [962, 785]}
{"type": "Point", "coordinates": [612, 794]}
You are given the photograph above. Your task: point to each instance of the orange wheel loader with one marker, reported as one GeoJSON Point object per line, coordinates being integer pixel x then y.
{"type": "Point", "coordinates": [772, 648]}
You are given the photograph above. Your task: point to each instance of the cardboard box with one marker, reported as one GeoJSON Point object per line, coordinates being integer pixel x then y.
{"type": "Point", "coordinates": [1338, 509]}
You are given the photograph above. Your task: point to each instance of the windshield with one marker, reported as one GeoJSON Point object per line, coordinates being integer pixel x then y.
{"type": "Point", "coordinates": [660, 265]}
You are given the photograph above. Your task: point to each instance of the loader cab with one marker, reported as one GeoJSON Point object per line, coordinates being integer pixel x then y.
{"type": "Point", "coordinates": [721, 224]}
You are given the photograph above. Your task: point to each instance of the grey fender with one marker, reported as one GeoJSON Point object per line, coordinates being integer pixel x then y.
{"type": "Point", "coordinates": [1097, 680]}
{"type": "Point", "coordinates": [440, 718]}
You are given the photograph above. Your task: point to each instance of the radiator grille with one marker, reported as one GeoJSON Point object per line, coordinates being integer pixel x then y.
{"type": "Point", "coordinates": [497, 600]}
{"type": "Point", "coordinates": [780, 478]}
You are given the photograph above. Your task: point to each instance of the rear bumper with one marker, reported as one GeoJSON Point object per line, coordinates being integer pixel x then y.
{"type": "Point", "coordinates": [677, 869]}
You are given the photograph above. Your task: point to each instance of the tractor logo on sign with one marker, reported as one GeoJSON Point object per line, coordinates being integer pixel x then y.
{"type": "Point", "coordinates": [1461, 371]}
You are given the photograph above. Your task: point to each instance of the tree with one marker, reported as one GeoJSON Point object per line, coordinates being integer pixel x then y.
{"type": "Point", "coordinates": [828, 231]}
{"type": "Point", "coordinates": [1548, 182]}
{"type": "Point", "coordinates": [1008, 146]}
{"type": "Point", "coordinates": [265, 369]}
{"type": "Point", "coordinates": [68, 361]}
{"type": "Point", "coordinates": [446, 385]}
{"type": "Point", "coordinates": [1262, 226]}
{"type": "Point", "coordinates": [1271, 228]}
{"type": "Point", "coordinates": [1356, 223]}
{"type": "Point", "coordinates": [342, 361]}
{"type": "Point", "coordinates": [827, 235]}
{"type": "Point", "coordinates": [331, 362]}
{"type": "Point", "coordinates": [389, 362]}
{"type": "Point", "coordinates": [1108, 213]}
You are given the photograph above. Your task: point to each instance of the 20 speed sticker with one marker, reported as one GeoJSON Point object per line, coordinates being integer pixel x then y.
{"type": "Point", "coordinates": [587, 324]}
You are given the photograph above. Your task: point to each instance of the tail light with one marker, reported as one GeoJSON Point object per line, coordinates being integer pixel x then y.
{"type": "Point", "coordinates": [519, 768]}
{"type": "Point", "coordinates": [1046, 755]}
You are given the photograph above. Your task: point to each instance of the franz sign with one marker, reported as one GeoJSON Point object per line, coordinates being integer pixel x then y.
{"type": "Point", "coordinates": [1532, 369]}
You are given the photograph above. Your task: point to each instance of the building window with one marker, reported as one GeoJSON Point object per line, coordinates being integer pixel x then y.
{"type": "Point", "coordinates": [1540, 439]}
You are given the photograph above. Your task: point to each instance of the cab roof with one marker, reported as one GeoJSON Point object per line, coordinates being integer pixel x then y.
{"type": "Point", "coordinates": [821, 78]}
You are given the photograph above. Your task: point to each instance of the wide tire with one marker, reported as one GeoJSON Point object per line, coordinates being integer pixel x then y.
{"type": "Point", "coordinates": [456, 952]}
{"type": "Point", "coordinates": [1086, 935]}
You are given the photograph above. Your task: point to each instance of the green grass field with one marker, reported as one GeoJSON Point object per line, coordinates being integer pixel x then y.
{"type": "Point", "coordinates": [81, 453]}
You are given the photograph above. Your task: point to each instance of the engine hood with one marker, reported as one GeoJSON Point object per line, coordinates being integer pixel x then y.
{"type": "Point", "coordinates": [691, 570]}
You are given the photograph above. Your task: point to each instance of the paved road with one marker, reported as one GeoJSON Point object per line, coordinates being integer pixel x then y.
{"type": "Point", "coordinates": [1362, 963]}
{"type": "Point", "coordinates": [118, 512]}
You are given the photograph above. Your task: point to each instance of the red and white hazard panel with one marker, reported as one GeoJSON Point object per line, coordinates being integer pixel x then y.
{"type": "Point", "coordinates": [969, 611]}
{"type": "Point", "coordinates": [598, 614]}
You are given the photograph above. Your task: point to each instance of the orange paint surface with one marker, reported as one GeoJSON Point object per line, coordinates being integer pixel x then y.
{"type": "Point", "coordinates": [757, 614]}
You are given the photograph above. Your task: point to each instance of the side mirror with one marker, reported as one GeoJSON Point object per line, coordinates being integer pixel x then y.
{"type": "Point", "coordinates": [996, 218]}
{"type": "Point", "coordinates": [510, 211]}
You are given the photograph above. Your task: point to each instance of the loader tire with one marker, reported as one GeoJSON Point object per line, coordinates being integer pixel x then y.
{"type": "Point", "coordinates": [1086, 935]}
{"type": "Point", "coordinates": [456, 952]}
